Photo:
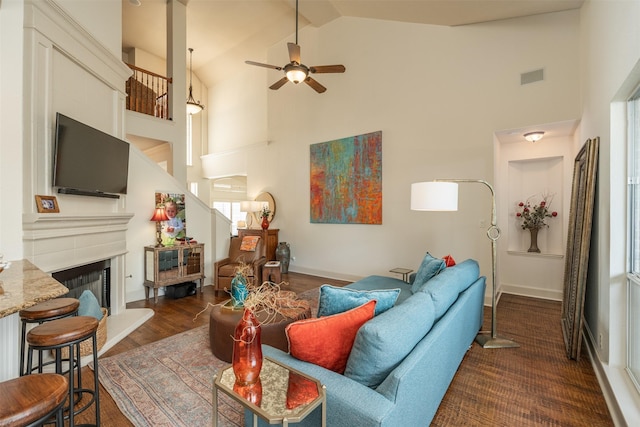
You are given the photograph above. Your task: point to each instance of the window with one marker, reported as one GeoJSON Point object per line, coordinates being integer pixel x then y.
{"type": "Point", "coordinates": [232, 211]}
{"type": "Point", "coordinates": [633, 203]}
{"type": "Point", "coordinates": [189, 140]}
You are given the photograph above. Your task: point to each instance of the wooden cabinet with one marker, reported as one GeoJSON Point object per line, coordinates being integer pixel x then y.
{"type": "Point", "coordinates": [268, 237]}
{"type": "Point", "coordinates": [170, 265]}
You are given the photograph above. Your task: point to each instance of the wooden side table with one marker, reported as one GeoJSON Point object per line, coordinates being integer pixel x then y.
{"type": "Point", "coordinates": [404, 271]}
{"type": "Point", "coordinates": [271, 272]}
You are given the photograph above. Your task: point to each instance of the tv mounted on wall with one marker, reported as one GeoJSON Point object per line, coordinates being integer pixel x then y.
{"type": "Point", "coordinates": [87, 161]}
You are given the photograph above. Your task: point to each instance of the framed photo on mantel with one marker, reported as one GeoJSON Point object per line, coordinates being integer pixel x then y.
{"type": "Point", "coordinates": [47, 204]}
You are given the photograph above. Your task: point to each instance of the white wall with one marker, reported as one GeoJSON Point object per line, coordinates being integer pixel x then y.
{"type": "Point", "coordinates": [11, 158]}
{"type": "Point", "coordinates": [610, 46]}
{"type": "Point", "coordinates": [437, 114]}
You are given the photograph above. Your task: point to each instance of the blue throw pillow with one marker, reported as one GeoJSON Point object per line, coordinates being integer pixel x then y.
{"type": "Point", "coordinates": [334, 300]}
{"type": "Point", "coordinates": [429, 267]}
{"type": "Point", "coordinates": [383, 342]}
{"type": "Point", "coordinates": [89, 305]}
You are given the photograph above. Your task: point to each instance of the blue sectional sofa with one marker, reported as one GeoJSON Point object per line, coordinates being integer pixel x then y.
{"type": "Point", "coordinates": [404, 359]}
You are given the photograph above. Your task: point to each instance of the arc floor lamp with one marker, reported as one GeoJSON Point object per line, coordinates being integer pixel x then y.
{"type": "Point", "coordinates": [442, 195]}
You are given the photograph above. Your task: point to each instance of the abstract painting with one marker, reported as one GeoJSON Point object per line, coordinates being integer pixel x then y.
{"type": "Point", "coordinates": [346, 180]}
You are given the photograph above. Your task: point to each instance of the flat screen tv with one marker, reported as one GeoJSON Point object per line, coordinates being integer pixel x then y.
{"type": "Point", "coordinates": [88, 161]}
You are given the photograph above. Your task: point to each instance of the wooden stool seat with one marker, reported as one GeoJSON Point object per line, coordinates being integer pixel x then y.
{"type": "Point", "coordinates": [54, 309]}
{"type": "Point", "coordinates": [51, 309]}
{"type": "Point", "coordinates": [67, 333]}
{"type": "Point", "coordinates": [31, 399]}
{"type": "Point", "coordinates": [62, 331]}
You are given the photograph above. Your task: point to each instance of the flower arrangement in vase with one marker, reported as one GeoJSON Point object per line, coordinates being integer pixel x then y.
{"type": "Point", "coordinates": [534, 216]}
{"type": "Point", "coordinates": [265, 216]}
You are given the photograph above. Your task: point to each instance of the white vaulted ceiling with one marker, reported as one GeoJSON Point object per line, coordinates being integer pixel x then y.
{"type": "Point", "coordinates": [226, 32]}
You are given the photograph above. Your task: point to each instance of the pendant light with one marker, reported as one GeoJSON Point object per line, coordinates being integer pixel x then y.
{"type": "Point", "coordinates": [193, 107]}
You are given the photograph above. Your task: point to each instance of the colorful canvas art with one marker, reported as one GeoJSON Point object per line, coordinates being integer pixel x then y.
{"type": "Point", "coordinates": [176, 227]}
{"type": "Point", "coordinates": [346, 180]}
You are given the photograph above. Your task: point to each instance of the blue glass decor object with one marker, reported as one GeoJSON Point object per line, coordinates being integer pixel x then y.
{"type": "Point", "coordinates": [239, 290]}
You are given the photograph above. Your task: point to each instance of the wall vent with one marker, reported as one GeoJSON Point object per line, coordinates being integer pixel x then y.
{"type": "Point", "coordinates": [532, 76]}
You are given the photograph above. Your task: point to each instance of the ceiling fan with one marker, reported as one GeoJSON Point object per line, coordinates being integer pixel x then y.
{"type": "Point", "coordinates": [296, 72]}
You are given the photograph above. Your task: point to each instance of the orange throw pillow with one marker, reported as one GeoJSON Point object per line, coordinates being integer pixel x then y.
{"type": "Point", "coordinates": [449, 261]}
{"type": "Point", "coordinates": [327, 341]}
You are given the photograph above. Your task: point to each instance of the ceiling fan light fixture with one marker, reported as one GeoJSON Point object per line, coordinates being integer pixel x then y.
{"type": "Point", "coordinates": [296, 73]}
{"type": "Point", "coordinates": [534, 136]}
{"type": "Point", "coordinates": [193, 106]}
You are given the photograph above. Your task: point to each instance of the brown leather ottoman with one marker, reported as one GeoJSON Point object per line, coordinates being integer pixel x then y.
{"type": "Point", "coordinates": [222, 324]}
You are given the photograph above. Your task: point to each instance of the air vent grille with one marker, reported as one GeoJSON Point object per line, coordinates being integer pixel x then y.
{"type": "Point", "coordinates": [532, 76]}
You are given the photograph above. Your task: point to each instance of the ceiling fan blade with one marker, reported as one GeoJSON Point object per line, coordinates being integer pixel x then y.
{"type": "Point", "coordinates": [315, 85]}
{"type": "Point", "coordinates": [279, 83]}
{"type": "Point", "coordinates": [259, 64]}
{"type": "Point", "coordinates": [327, 69]}
{"type": "Point", "coordinates": [294, 52]}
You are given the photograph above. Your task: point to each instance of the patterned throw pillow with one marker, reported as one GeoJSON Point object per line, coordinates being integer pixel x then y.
{"type": "Point", "coordinates": [249, 243]}
{"type": "Point", "coordinates": [327, 341]}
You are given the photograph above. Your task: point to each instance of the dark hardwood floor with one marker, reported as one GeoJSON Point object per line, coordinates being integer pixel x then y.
{"type": "Point", "coordinates": [528, 386]}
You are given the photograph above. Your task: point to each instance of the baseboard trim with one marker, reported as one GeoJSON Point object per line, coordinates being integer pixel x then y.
{"type": "Point", "coordinates": [607, 375]}
{"type": "Point", "coordinates": [548, 294]}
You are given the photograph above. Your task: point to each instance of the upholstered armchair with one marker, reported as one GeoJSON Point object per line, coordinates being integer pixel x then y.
{"type": "Point", "coordinates": [225, 269]}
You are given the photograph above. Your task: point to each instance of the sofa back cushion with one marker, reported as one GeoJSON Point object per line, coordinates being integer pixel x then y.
{"type": "Point", "coordinates": [334, 300]}
{"type": "Point", "coordinates": [447, 285]}
{"type": "Point", "coordinates": [327, 341]}
{"type": "Point", "coordinates": [384, 341]}
{"type": "Point", "coordinates": [429, 267]}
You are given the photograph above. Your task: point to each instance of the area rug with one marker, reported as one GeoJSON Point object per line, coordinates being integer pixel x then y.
{"type": "Point", "coordinates": [169, 382]}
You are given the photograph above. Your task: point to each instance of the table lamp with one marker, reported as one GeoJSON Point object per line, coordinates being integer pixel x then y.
{"type": "Point", "coordinates": [442, 195]}
{"type": "Point", "coordinates": [250, 207]}
{"type": "Point", "coordinates": [159, 215]}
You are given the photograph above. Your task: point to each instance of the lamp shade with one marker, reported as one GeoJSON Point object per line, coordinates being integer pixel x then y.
{"type": "Point", "coordinates": [159, 215]}
{"type": "Point", "coordinates": [250, 206]}
{"type": "Point", "coordinates": [434, 196]}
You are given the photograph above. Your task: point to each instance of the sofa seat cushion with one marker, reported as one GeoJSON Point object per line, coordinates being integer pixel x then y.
{"type": "Point", "coordinates": [429, 268]}
{"type": "Point", "coordinates": [383, 282]}
{"type": "Point", "coordinates": [334, 300]}
{"type": "Point", "coordinates": [447, 285]}
{"type": "Point", "coordinates": [327, 341]}
{"type": "Point", "coordinates": [383, 342]}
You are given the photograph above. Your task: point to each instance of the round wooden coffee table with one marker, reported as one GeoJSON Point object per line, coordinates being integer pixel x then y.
{"type": "Point", "coordinates": [222, 324]}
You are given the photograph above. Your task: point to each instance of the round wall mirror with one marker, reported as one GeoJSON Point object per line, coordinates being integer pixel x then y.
{"type": "Point", "coordinates": [267, 197]}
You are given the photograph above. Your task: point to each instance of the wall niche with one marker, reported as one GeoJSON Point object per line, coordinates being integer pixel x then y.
{"type": "Point", "coordinates": [533, 179]}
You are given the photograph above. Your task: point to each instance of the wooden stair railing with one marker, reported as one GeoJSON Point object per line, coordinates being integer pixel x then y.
{"type": "Point", "coordinates": [148, 93]}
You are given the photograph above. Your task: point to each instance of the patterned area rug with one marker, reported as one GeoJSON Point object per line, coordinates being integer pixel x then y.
{"type": "Point", "coordinates": [169, 382]}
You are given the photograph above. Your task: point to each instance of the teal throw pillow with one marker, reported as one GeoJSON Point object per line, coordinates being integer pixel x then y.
{"type": "Point", "coordinates": [429, 267]}
{"type": "Point", "coordinates": [89, 305]}
{"type": "Point", "coordinates": [334, 300]}
{"type": "Point", "coordinates": [383, 342]}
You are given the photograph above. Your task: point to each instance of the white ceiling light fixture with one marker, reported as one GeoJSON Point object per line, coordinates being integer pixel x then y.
{"type": "Point", "coordinates": [193, 107]}
{"type": "Point", "coordinates": [135, 2]}
{"type": "Point", "coordinates": [534, 136]}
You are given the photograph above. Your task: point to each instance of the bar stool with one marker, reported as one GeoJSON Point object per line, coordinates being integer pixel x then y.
{"type": "Point", "coordinates": [53, 309]}
{"type": "Point", "coordinates": [69, 333]}
{"type": "Point", "coordinates": [33, 399]}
